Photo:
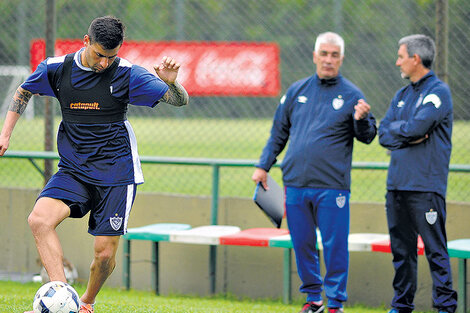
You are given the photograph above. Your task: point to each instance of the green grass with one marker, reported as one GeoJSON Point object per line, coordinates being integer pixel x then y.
{"type": "Point", "coordinates": [17, 297]}
{"type": "Point", "coordinates": [220, 138]}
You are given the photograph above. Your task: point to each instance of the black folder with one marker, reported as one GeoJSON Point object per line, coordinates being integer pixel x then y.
{"type": "Point", "coordinates": [271, 201]}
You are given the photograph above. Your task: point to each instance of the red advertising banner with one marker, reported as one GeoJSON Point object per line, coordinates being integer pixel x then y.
{"type": "Point", "coordinates": [207, 68]}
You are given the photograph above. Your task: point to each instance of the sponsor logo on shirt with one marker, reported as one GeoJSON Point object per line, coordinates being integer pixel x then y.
{"type": "Point", "coordinates": [85, 106]}
{"type": "Point", "coordinates": [337, 102]}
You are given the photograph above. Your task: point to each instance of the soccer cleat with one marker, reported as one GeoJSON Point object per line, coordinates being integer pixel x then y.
{"type": "Point", "coordinates": [28, 312]}
{"type": "Point", "coordinates": [335, 310]}
{"type": "Point", "coordinates": [85, 308]}
{"type": "Point", "coordinates": [312, 307]}
{"type": "Point", "coordinates": [393, 311]}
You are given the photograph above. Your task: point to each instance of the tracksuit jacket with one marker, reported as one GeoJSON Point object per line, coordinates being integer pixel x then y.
{"type": "Point", "coordinates": [316, 116]}
{"type": "Point", "coordinates": [420, 108]}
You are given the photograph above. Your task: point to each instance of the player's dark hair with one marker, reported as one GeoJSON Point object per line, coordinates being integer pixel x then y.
{"type": "Point", "coordinates": [108, 31]}
{"type": "Point", "coordinates": [421, 45]}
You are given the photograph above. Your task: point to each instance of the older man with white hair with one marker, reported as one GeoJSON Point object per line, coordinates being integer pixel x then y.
{"type": "Point", "coordinates": [320, 116]}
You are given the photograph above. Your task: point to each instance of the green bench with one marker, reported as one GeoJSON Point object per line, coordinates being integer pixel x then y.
{"type": "Point", "coordinates": [223, 235]}
{"type": "Point", "coordinates": [460, 249]}
{"type": "Point", "coordinates": [215, 235]}
{"type": "Point", "coordinates": [154, 233]}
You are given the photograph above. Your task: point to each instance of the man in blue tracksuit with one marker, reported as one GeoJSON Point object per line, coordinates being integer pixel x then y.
{"type": "Point", "coordinates": [417, 129]}
{"type": "Point", "coordinates": [320, 116]}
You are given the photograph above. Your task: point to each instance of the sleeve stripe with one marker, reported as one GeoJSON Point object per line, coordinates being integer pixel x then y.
{"type": "Point", "coordinates": [53, 60]}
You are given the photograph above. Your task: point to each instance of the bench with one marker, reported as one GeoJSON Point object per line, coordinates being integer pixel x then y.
{"type": "Point", "coordinates": [223, 235]}
{"type": "Point", "coordinates": [384, 246]}
{"type": "Point", "coordinates": [460, 249]}
{"type": "Point", "coordinates": [153, 233]}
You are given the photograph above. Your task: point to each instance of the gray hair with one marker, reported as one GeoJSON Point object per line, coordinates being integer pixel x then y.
{"type": "Point", "coordinates": [331, 38]}
{"type": "Point", "coordinates": [421, 45]}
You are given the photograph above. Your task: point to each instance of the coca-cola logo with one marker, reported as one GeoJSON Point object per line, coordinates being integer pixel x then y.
{"type": "Point", "coordinates": [242, 69]}
{"type": "Point", "coordinates": [207, 68]}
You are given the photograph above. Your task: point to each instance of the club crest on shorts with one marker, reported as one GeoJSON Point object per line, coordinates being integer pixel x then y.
{"type": "Point", "coordinates": [431, 216]}
{"type": "Point", "coordinates": [115, 222]}
{"type": "Point", "coordinates": [337, 102]}
{"type": "Point", "coordinates": [340, 201]}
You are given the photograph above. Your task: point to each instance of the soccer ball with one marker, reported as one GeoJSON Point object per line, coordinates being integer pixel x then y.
{"type": "Point", "coordinates": [56, 297]}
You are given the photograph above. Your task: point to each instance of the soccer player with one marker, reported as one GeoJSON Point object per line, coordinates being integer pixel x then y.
{"type": "Point", "coordinates": [320, 116]}
{"type": "Point", "coordinates": [99, 166]}
{"type": "Point", "coordinates": [417, 129]}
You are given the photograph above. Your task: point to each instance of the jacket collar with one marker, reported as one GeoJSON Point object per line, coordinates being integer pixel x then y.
{"type": "Point", "coordinates": [423, 79]}
{"type": "Point", "coordinates": [328, 82]}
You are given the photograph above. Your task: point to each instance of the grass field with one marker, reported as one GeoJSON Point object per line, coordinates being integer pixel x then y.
{"type": "Point", "coordinates": [220, 138]}
{"type": "Point", "coordinates": [17, 297]}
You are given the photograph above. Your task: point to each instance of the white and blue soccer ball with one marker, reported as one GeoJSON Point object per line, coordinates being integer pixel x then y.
{"type": "Point", "coordinates": [56, 297]}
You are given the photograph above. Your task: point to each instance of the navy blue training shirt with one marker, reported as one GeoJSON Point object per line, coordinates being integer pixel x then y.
{"type": "Point", "coordinates": [317, 117]}
{"type": "Point", "coordinates": [419, 109]}
{"type": "Point", "coordinates": [99, 153]}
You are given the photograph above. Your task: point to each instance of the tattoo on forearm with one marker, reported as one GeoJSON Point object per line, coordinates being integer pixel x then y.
{"type": "Point", "coordinates": [20, 101]}
{"type": "Point", "coordinates": [176, 95]}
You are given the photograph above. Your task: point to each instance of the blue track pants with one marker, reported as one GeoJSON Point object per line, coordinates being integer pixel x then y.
{"type": "Point", "coordinates": [328, 210]}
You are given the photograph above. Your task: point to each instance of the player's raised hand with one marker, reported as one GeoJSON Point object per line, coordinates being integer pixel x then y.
{"type": "Point", "coordinates": [167, 70]}
{"type": "Point", "coordinates": [361, 109]}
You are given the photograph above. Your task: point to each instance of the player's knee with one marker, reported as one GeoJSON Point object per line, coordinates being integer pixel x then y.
{"type": "Point", "coordinates": [105, 256]}
{"type": "Point", "coordinates": [47, 214]}
{"type": "Point", "coordinates": [104, 261]}
{"type": "Point", "coordinates": [106, 247]}
{"type": "Point", "coordinates": [37, 222]}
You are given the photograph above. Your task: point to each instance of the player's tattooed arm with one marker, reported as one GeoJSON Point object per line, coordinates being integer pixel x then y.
{"type": "Point", "coordinates": [176, 95]}
{"type": "Point", "coordinates": [20, 100]}
{"type": "Point", "coordinates": [16, 108]}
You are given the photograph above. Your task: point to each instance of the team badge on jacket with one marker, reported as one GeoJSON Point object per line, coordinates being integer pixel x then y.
{"type": "Point", "coordinates": [431, 216]}
{"type": "Point", "coordinates": [302, 99]}
{"type": "Point", "coordinates": [340, 201]}
{"type": "Point", "coordinates": [337, 102]}
{"type": "Point", "coordinates": [115, 222]}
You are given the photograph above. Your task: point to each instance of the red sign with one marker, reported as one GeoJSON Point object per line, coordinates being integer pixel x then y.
{"type": "Point", "coordinates": [207, 68]}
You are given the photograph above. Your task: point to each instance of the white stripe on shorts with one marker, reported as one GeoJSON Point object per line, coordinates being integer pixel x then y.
{"type": "Point", "coordinates": [130, 195]}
